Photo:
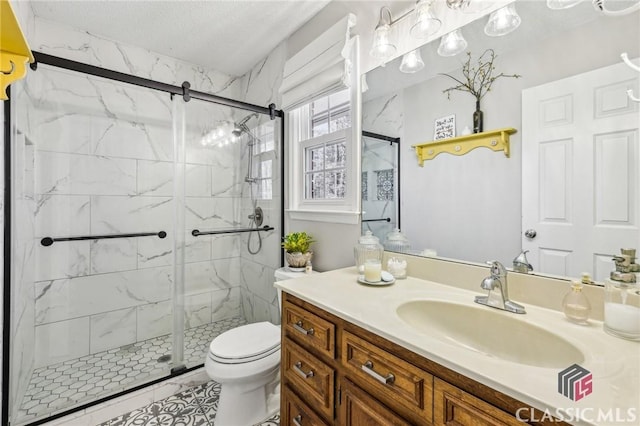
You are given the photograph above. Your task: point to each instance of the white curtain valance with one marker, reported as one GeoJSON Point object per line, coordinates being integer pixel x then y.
{"type": "Point", "coordinates": [320, 67]}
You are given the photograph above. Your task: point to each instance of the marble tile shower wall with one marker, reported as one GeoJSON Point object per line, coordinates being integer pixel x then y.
{"type": "Point", "coordinates": [103, 154]}
{"type": "Point", "coordinates": [260, 86]}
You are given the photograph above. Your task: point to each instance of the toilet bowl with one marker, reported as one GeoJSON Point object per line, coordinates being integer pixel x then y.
{"type": "Point", "coordinates": [245, 361]}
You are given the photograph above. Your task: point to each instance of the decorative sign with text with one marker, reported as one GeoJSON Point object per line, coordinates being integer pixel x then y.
{"type": "Point", "coordinates": [445, 127]}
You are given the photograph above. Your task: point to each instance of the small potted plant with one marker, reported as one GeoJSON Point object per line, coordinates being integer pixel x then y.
{"type": "Point", "coordinates": [296, 246]}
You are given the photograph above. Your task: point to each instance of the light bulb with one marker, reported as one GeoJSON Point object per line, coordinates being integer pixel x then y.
{"type": "Point", "coordinates": [451, 44]}
{"type": "Point", "coordinates": [412, 62]}
{"type": "Point", "coordinates": [502, 21]}
{"type": "Point", "coordinates": [425, 23]}
{"type": "Point", "coordinates": [382, 46]}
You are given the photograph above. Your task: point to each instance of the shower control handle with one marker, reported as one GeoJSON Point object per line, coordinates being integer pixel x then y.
{"type": "Point", "coordinates": [297, 367]}
{"type": "Point", "coordinates": [298, 326]}
{"type": "Point", "coordinates": [297, 420]}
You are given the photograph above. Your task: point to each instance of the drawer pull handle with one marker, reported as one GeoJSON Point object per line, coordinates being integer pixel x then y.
{"type": "Point", "coordinates": [298, 369]}
{"type": "Point", "coordinates": [368, 368]}
{"type": "Point", "coordinates": [298, 326]}
{"type": "Point", "coordinates": [297, 420]}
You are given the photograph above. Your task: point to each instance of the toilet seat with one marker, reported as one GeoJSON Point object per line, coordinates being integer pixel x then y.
{"type": "Point", "coordinates": [245, 344]}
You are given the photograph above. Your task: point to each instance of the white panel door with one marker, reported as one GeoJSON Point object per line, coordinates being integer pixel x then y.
{"type": "Point", "coordinates": [580, 177]}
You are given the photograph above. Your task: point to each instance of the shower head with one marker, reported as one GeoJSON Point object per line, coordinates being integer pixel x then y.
{"type": "Point", "coordinates": [241, 126]}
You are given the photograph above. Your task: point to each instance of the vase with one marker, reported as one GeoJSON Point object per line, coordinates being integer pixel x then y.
{"type": "Point", "coordinates": [477, 119]}
{"type": "Point", "coordinates": [297, 260]}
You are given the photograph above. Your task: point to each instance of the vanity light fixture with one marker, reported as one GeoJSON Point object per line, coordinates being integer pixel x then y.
{"type": "Point", "coordinates": [598, 5]}
{"type": "Point", "coordinates": [412, 62]}
{"type": "Point", "coordinates": [382, 46]}
{"type": "Point", "coordinates": [452, 43]}
{"type": "Point", "coordinates": [502, 21]}
{"type": "Point", "coordinates": [425, 23]}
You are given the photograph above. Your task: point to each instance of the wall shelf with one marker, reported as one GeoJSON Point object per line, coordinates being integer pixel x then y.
{"type": "Point", "coordinates": [14, 49]}
{"type": "Point", "coordinates": [496, 140]}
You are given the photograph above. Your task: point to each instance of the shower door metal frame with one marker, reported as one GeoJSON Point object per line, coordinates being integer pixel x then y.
{"type": "Point", "coordinates": [187, 94]}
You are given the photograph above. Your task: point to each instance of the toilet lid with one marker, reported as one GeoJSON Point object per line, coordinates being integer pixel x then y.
{"type": "Point", "coordinates": [246, 343]}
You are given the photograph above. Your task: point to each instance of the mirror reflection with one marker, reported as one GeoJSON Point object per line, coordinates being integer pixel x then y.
{"type": "Point", "coordinates": [568, 191]}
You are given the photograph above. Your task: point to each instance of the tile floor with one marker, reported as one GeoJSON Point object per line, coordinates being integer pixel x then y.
{"type": "Point", "coordinates": [194, 407]}
{"type": "Point", "coordinates": [61, 386]}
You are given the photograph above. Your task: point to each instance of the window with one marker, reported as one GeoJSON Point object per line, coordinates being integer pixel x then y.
{"type": "Point", "coordinates": [322, 148]}
{"type": "Point", "coordinates": [263, 159]}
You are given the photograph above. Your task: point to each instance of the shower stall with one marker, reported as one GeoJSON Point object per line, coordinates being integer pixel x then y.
{"type": "Point", "coordinates": [143, 219]}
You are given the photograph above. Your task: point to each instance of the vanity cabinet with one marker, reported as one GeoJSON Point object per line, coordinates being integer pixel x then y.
{"type": "Point", "coordinates": [336, 373]}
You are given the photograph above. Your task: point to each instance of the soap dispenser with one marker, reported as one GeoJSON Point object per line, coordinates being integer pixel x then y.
{"type": "Point", "coordinates": [575, 304]}
{"type": "Point", "coordinates": [622, 301]}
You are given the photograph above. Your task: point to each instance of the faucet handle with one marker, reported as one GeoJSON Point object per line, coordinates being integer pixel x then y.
{"type": "Point", "coordinates": [497, 268]}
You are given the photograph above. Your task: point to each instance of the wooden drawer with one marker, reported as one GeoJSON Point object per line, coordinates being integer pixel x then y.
{"type": "Point", "coordinates": [296, 413]}
{"type": "Point", "coordinates": [402, 386]}
{"type": "Point", "coordinates": [309, 329]}
{"type": "Point", "coordinates": [309, 377]}
{"type": "Point", "coordinates": [358, 408]}
{"type": "Point", "coordinates": [453, 406]}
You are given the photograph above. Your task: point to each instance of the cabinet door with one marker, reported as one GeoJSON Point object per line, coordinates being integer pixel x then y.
{"type": "Point", "coordinates": [309, 377]}
{"type": "Point", "coordinates": [296, 413]}
{"type": "Point", "coordinates": [453, 406]}
{"type": "Point", "coordinates": [357, 408]}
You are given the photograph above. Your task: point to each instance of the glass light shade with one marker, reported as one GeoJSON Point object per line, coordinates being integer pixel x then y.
{"type": "Point", "coordinates": [412, 62]}
{"type": "Point", "coordinates": [502, 21]}
{"type": "Point", "coordinates": [451, 44]}
{"type": "Point", "coordinates": [382, 47]}
{"type": "Point", "coordinates": [425, 23]}
{"type": "Point", "coordinates": [561, 4]}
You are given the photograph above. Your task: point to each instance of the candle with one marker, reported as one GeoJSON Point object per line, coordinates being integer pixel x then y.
{"type": "Point", "coordinates": [372, 270]}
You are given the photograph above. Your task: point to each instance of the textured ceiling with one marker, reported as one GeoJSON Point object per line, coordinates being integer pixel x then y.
{"type": "Point", "coordinates": [227, 35]}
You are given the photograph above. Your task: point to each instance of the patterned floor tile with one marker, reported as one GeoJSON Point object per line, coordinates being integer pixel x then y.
{"type": "Point", "coordinates": [63, 385]}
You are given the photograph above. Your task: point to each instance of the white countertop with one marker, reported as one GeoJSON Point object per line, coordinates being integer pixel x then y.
{"type": "Point", "coordinates": [613, 362]}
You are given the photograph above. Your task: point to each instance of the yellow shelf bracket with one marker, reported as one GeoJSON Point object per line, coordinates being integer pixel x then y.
{"type": "Point", "coordinates": [496, 140]}
{"type": "Point", "coordinates": [14, 49]}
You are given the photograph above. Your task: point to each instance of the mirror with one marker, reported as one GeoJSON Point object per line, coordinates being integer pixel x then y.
{"type": "Point", "coordinates": [380, 184]}
{"type": "Point", "coordinates": [473, 207]}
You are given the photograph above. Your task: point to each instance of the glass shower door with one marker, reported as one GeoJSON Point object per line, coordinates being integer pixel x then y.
{"type": "Point", "coordinates": [92, 240]}
{"type": "Point", "coordinates": [380, 191]}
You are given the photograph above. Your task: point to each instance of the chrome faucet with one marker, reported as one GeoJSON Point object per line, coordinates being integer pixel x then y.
{"type": "Point", "coordinates": [498, 299]}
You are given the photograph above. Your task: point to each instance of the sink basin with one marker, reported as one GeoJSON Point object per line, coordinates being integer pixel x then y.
{"type": "Point", "coordinates": [491, 332]}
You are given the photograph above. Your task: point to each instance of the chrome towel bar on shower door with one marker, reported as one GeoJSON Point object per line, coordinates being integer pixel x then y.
{"type": "Point", "coordinates": [47, 241]}
{"type": "Point", "coordinates": [197, 232]}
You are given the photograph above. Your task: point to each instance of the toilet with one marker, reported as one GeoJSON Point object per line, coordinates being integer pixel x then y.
{"type": "Point", "coordinates": [246, 362]}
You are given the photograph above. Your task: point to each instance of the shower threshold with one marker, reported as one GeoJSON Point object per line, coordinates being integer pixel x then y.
{"type": "Point", "coordinates": [59, 387]}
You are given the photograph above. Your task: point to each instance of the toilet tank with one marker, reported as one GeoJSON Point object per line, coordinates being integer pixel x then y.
{"type": "Point", "coordinates": [283, 274]}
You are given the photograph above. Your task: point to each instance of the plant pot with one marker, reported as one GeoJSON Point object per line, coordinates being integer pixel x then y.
{"type": "Point", "coordinates": [297, 261]}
